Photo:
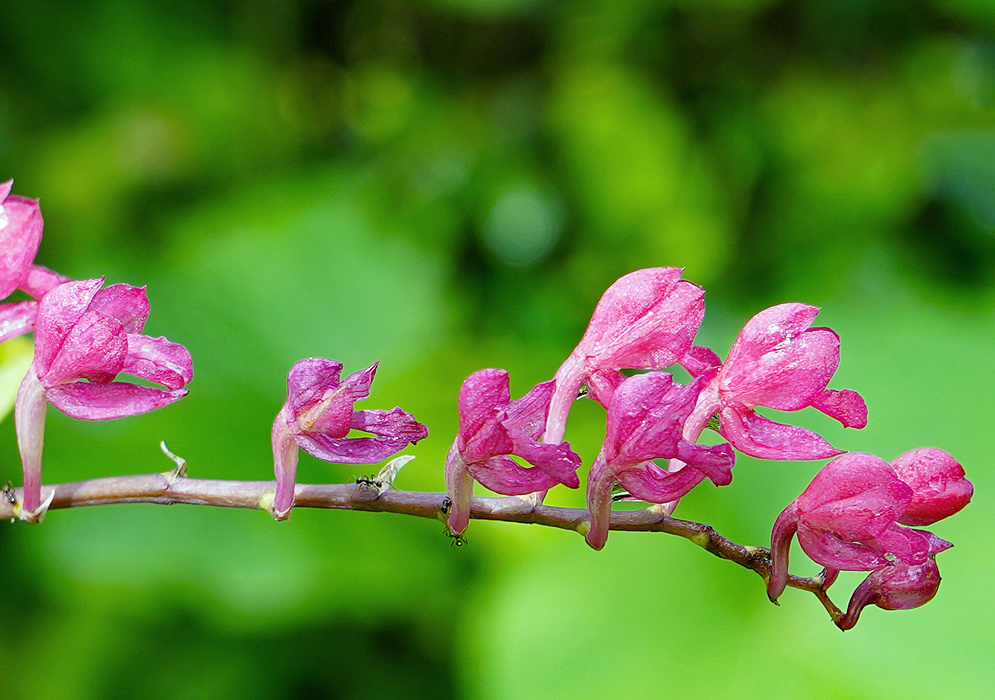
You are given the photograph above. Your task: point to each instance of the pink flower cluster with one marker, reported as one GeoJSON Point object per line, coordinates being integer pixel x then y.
{"type": "Point", "coordinates": [858, 514]}
{"type": "Point", "coordinates": [645, 323]}
{"type": "Point", "coordinates": [850, 519]}
{"type": "Point", "coordinates": [85, 336]}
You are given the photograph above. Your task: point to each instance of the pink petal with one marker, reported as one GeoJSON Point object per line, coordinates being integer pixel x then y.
{"type": "Point", "coordinates": [482, 399]}
{"type": "Point", "coordinates": [938, 485]}
{"type": "Point", "coordinates": [105, 401]}
{"type": "Point", "coordinates": [491, 439]}
{"type": "Point", "coordinates": [5, 188]}
{"type": "Point", "coordinates": [527, 416]}
{"type": "Point", "coordinates": [603, 384]}
{"type": "Point", "coordinates": [752, 434]}
{"type": "Point", "coordinates": [846, 406]}
{"type": "Point", "coordinates": [40, 281]}
{"type": "Point", "coordinates": [502, 475]}
{"type": "Point", "coordinates": [936, 545]}
{"type": "Point", "coordinates": [650, 483]}
{"type": "Point", "coordinates": [124, 303]}
{"type": "Point", "coordinates": [58, 312]}
{"type": "Point", "coordinates": [905, 544]}
{"type": "Point", "coordinates": [768, 329]}
{"type": "Point", "coordinates": [95, 347]}
{"type": "Point", "coordinates": [308, 380]}
{"type": "Point", "coordinates": [700, 360]}
{"type": "Point", "coordinates": [787, 376]}
{"type": "Point", "coordinates": [645, 320]}
{"type": "Point", "coordinates": [360, 382]}
{"type": "Point", "coordinates": [20, 234]}
{"type": "Point", "coordinates": [395, 423]}
{"type": "Point", "coordinates": [714, 461]}
{"type": "Point", "coordinates": [829, 550]}
{"type": "Point", "coordinates": [358, 450]}
{"type": "Point", "coordinates": [159, 361]}
{"type": "Point", "coordinates": [332, 416]}
{"type": "Point", "coordinates": [482, 394]}
{"type": "Point", "coordinates": [17, 318]}
{"type": "Point", "coordinates": [646, 418]}
{"type": "Point", "coordinates": [556, 460]}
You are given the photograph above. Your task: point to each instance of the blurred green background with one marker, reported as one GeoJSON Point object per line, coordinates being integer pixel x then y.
{"type": "Point", "coordinates": [445, 185]}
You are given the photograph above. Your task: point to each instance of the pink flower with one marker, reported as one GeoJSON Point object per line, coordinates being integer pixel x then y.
{"type": "Point", "coordinates": [897, 585]}
{"type": "Point", "coordinates": [645, 320]}
{"type": "Point", "coordinates": [779, 362]}
{"type": "Point", "coordinates": [938, 485]}
{"type": "Point", "coordinates": [491, 428]}
{"type": "Point", "coordinates": [847, 519]}
{"type": "Point", "coordinates": [645, 422]}
{"type": "Point", "coordinates": [20, 234]}
{"type": "Point", "coordinates": [84, 337]}
{"type": "Point", "coordinates": [319, 414]}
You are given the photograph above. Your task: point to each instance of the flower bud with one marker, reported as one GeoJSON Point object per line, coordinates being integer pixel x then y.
{"type": "Point", "coordinates": [897, 586]}
{"type": "Point", "coordinates": [938, 485]}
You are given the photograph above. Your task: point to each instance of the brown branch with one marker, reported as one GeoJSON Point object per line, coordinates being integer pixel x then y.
{"type": "Point", "coordinates": [375, 494]}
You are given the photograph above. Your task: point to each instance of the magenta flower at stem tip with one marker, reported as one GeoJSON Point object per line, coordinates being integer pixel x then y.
{"type": "Point", "coordinates": [848, 519]}
{"type": "Point", "coordinates": [84, 337]}
{"type": "Point", "coordinates": [647, 319]}
{"type": "Point", "coordinates": [318, 415]}
{"type": "Point", "coordinates": [492, 427]}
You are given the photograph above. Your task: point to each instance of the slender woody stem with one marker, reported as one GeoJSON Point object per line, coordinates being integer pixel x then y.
{"type": "Point", "coordinates": [370, 495]}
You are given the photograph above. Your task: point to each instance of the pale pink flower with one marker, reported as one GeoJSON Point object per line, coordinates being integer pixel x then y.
{"type": "Point", "coordinates": [84, 337]}
{"type": "Point", "coordinates": [318, 415]}
{"type": "Point", "coordinates": [847, 519]}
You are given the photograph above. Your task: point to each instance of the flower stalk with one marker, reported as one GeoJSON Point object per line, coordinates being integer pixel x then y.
{"type": "Point", "coordinates": [175, 487]}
